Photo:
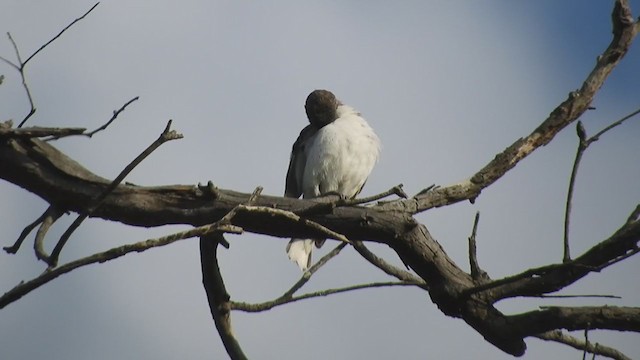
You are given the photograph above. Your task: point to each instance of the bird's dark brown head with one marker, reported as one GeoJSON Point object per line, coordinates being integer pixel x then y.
{"type": "Point", "coordinates": [321, 106]}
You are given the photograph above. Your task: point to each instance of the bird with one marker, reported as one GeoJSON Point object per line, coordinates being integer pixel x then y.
{"type": "Point", "coordinates": [334, 154]}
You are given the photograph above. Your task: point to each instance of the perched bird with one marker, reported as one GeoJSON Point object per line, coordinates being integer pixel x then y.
{"type": "Point", "coordinates": [334, 154]}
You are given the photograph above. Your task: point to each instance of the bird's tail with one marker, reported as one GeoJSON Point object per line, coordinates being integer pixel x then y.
{"type": "Point", "coordinates": [299, 251]}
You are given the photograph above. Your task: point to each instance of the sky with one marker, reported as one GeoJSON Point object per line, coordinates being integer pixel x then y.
{"type": "Point", "coordinates": [446, 85]}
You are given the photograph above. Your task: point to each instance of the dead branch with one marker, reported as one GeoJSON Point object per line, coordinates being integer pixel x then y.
{"type": "Point", "coordinates": [23, 235]}
{"type": "Point", "coordinates": [383, 265]}
{"type": "Point", "coordinates": [579, 101]}
{"type": "Point", "coordinates": [166, 135]}
{"type": "Point", "coordinates": [563, 338]}
{"type": "Point", "coordinates": [577, 318]}
{"type": "Point", "coordinates": [476, 272]}
{"type": "Point", "coordinates": [217, 295]}
{"type": "Point", "coordinates": [306, 276]}
{"type": "Point", "coordinates": [24, 288]}
{"type": "Point", "coordinates": [268, 305]}
{"type": "Point", "coordinates": [21, 66]}
{"type": "Point", "coordinates": [583, 144]}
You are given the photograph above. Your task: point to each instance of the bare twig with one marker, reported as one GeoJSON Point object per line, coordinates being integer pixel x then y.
{"type": "Point", "coordinates": [20, 67]}
{"type": "Point", "coordinates": [586, 341]}
{"type": "Point", "coordinates": [613, 125]}
{"type": "Point", "coordinates": [476, 272]}
{"type": "Point", "coordinates": [25, 232]}
{"type": "Point", "coordinates": [26, 287]}
{"type": "Point", "coordinates": [113, 117]}
{"type": "Point", "coordinates": [246, 307]}
{"type": "Point", "coordinates": [563, 338]}
{"type": "Point", "coordinates": [312, 270]}
{"type": "Point", "coordinates": [583, 144]}
{"type": "Point", "coordinates": [577, 296]}
{"type": "Point", "coordinates": [59, 34]}
{"type": "Point", "coordinates": [331, 201]}
{"type": "Point", "coordinates": [52, 215]}
{"type": "Point", "coordinates": [385, 266]}
{"type": "Point", "coordinates": [396, 190]}
{"type": "Point", "coordinates": [32, 109]}
{"type": "Point", "coordinates": [295, 218]}
{"type": "Point", "coordinates": [166, 135]}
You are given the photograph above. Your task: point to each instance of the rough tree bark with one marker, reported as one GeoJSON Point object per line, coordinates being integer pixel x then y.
{"type": "Point", "coordinates": [40, 168]}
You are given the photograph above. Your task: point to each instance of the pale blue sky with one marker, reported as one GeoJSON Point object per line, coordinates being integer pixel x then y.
{"type": "Point", "coordinates": [446, 85]}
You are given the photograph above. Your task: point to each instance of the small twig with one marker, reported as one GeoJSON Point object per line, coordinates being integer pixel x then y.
{"type": "Point", "coordinates": [563, 338]}
{"type": "Point", "coordinates": [166, 135]}
{"type": "Point", "coordinates": [52, 215]}
{"type": "Point", "coordinates": [396, 190]}
{"type": "Point", "coordinates": [20, 67]}
{"type": "Point", "coordinates": [329, 202]}
{"type": "Point", "coordinates": [32, 109]}
{"type": "Point", "coordinates": [613, 125]}
{"type": "Point", "coordinates": [576, 296]}
{"type": "Point", "coordinates": [59, 34]}
{"type": "Point", "coordinates": [582, 146]}
{"type": "Point", "coordinates": [113, 117]}
{"type": "Point", "coordinates": [510, 279]}
{"type": "Point", "coordinates": [26, 287]}
{"type": "Point", "coordinates": [227, 218]}
{"type": "Point", "coordinates": [25, 232]}
{"type": "Point", "coordinates": [246, 307]}
{"type": "Point", "coordinates": [295, 218]}
{"type": "Point", "coordinates": [385, 266]}
{"type": "Point", "coordinates": [586, 341]}
{"type": "Point", "coordinates": [476, 272]}
{"type": "Point", "coordinates": [312, 270]}
{"type": "Point", "coordinates": [90, 134]}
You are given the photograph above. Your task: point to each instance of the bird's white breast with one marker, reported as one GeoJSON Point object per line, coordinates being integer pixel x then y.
{"type": "Point", "coordinates": [341, 156]}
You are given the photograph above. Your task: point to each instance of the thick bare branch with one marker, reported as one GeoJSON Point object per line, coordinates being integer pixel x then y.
{"type": "Point", "coordinates": [219, 299]}
{"type": "Point", "coordinates": [577, 318]}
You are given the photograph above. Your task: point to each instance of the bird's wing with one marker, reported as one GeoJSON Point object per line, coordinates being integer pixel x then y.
{"type": "Point", "coordinates": [297, 163]}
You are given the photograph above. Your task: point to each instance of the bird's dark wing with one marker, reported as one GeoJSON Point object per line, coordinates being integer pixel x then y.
{"type": "Point", "coordinates": [293, 185]}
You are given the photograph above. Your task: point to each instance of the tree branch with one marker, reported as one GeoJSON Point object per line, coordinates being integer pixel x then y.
{"type": "Point", "coordinates": [624, 32]}
{"type": "Point", "coordinates": [21, 65]}
{"type": "Point", "coordinates": [26, 287]}
{"type": "Point", "coordinates": [166, 135]}
{"type": "Point", "coordinates": [583, 144]}
{"type": "Point", "coordinates": [268, 305]}
{"type": "Point", "coordinates": [560, 337]}
{"type": "Point", "coordinates": [577, 318]}
{"type": "Point", "coordinates": [217, 295]}
{"type": "Point", "coordinates": [385, 266]}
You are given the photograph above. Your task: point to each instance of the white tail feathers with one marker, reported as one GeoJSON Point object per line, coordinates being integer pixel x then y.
{"type": "Point", "coordinates": [299, 251]}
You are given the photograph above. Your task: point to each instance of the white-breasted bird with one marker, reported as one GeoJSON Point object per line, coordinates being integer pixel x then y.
{"type": "Point", "coordinates": [334, 154]}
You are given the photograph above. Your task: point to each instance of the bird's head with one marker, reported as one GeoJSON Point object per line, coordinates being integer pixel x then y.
{"type": "Point", "coordinates": [321, 106]}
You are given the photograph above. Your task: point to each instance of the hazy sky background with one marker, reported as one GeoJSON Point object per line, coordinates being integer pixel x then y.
{"type": "Point", "coordinates": [445, 84]}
